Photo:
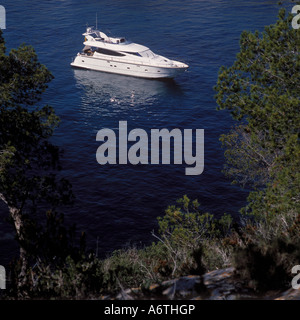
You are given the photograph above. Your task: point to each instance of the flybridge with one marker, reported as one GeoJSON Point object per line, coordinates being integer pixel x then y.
{"type": "Point", "coordinates": [96, 35]}
{"type": "Point", "coordinates": [138, 153]}
{"type": "Point", "coordinates": [99, 39]}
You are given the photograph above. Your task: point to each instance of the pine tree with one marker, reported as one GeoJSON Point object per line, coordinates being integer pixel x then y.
{"type": "Point", "coordinates": [28, 161]}
{"type": "Point", "coordinates": [262, 92]}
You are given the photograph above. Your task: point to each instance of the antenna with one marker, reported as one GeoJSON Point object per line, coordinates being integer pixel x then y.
{"type": "Point", "coordinates": [96, 21]}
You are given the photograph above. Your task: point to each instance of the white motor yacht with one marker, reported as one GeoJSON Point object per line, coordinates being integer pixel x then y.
{"type": "Point", "coordinates": [117, 55]}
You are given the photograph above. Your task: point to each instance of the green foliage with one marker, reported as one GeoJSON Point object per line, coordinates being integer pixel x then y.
{"type": "Point", "coordinates": [247, 162]}
{"type": "Point", "coordinates": [25, 130]}
{"type": "Point", "coordinates": [262, 89]}
{"type": "Point", "coordinates": [262, 85]}
{"type": "Point", "coordinates": [185, 230]}
{"type": "Point", "coordinates": [5, 156]}
{"type": "Point", "coordinates": [185, 223]}
{"type": "Point", "coordinates": [267, 267]}
{"type": "Point", "coordinates": [28, 161]}
{"type": "Point", "coordinates": [51, 242]}
{"type": "Point", "coordinates": [123, 268]}
{"type": "Point", "coordinates": [56, 265]}
{"type": "Point", "coordinates": [23, 79]}
{"type": "Point", "coordinates": [75, 279]}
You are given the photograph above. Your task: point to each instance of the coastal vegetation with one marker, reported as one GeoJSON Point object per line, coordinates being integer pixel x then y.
{"type": "Point", "coordinates": [262, 92]}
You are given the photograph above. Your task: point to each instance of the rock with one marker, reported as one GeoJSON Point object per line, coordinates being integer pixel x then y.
{"type": "Point", "coordinates": [183, 287]}
{"type": "Point", "coordinates": [215, 285]}
{"type": "Point", "coordinates": [291, 294]}
{"type": "Point", "coordinates": [222, 284]}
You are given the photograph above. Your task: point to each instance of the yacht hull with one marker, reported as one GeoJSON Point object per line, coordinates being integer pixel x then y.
{"type": "Point", "coordinates": [141, 70]}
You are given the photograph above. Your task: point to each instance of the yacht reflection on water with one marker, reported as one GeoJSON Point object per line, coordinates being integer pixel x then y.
{"type": "Point", "coordinates": [122, 90]}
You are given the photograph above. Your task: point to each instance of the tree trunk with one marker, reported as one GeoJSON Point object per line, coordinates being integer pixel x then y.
{"type": "Point", "coordinates": [16, 216]}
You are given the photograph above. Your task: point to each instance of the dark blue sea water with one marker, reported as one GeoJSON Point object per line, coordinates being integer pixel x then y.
{"type": "Point", "coordinates": [119, 204]}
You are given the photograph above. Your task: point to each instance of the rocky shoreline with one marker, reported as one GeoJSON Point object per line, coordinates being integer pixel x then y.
{"type": "Point", "coordinates": [219, 284]}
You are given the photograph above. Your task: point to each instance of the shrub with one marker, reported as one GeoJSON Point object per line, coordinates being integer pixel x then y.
{"type": "Point", "coordinates": [267, 266]}
{"type": "Point", "coordinates": [185, 229]}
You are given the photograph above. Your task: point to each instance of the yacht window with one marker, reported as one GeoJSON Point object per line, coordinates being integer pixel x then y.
{"type": "Point", "coordinates": [94, 35]}
{"type": "Point", "coordinates": [147, 54]}
{"type": "Point", "coordinates": [110, 52]}
{"type": "Point", "coordinates": [134, 53]}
